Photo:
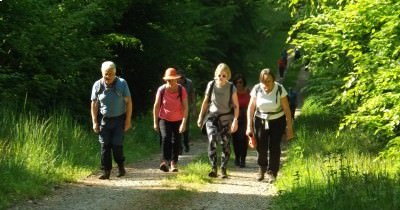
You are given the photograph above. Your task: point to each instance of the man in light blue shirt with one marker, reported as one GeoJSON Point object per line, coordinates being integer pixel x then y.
{"type": "Point", "coordinates": [111, 110]}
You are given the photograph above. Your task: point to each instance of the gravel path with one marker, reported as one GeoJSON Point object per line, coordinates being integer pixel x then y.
{"type": "Point", "coordinates": [144, 180]}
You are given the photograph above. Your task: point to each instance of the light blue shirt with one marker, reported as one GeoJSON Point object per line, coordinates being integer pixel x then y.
{"type": "Point", "coordinates": [111, 99]}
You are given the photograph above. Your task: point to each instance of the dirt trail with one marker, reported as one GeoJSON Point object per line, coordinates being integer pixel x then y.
{"type": "Point", "coordinates": [144, 180]}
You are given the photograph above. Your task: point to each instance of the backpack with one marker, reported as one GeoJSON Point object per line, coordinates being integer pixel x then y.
{"type": "Point", "coordinates": [163, 91]}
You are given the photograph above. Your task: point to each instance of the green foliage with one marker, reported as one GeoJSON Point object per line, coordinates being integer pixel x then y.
{"type": "Point", "coordinates": [352, 51]}
{"type": "Point", "coordinates": [325, 171]}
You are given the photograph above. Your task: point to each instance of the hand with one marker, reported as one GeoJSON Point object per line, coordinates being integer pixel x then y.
{"type": "Point", "coordinates": [199, 122]}
{"type": "Point", "coordinates": [182, 128]}
{"type": "Point", "coordinates": [234, 126]}
{"type": "Point", "coordinates": [155, 127]}
{"type": "Point", "coordinates": [289, 133]}
{"type": "Point", "coordinates": [96, 127]}
{"type": "Point", "coordinates": [249, 131]}
{"type": "Point", "coordinates": [127, 126]}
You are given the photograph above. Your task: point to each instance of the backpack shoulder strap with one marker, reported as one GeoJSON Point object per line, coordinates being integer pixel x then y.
{"type": "Point", "coordinates": [278, 92]}
{"type": "Point", "coordinates": [162, 93]}
{"type": "Point", "coordinates": [179, 92]}
{"type": "Point", "coordinates": [100, 88]}
{"type": "Point", "coordinates": [210, 91]}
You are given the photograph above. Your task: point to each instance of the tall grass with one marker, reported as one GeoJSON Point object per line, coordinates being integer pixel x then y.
{"type": "Point", "coordinates": [39, 152]}
{"type": "Point", "coordinates": [326, 171]}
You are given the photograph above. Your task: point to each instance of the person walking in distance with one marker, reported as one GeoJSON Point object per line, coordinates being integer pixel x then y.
{"type": "Point", "coordinates": [188, 85]}
{"type": "Point", "coordinates": [218, 118]}
{"type": "Point", "coordinates": [170, 116]}
{"type": "Point", "coordinates": [239, 138]}
{"type": "Point", "coordinates": [111, 110]}
{"type": "Point", "coordinates": [268, 116]}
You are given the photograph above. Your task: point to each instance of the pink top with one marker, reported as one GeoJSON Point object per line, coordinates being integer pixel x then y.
{"type": "Point", "coordinates": [171, 108]}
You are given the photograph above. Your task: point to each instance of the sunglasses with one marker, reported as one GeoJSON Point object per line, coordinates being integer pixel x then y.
{"type": "Point", "coordinates": [222, 75]}
{"type": "Point", "coordinates": [239, 82]}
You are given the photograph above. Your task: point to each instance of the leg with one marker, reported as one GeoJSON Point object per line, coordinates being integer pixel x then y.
{"type": "Point", "coordinates": [212, 147]}
{"type": "Point", "coordinates": [277, 129]}
{"type": "Point", "coordinates": [176, 144]}
{"type": "Point", "coordinates": [166, 144]}
{"type": "Point", "coordinates": [236, 147]}
{"type": "Point", "coordinates": [262, 147]}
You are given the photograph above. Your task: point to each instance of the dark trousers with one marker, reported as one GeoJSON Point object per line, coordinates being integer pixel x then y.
{"type": "Point", "coordinates": [170, 140]}
{"type": "Point", "coordinates": [269, 143]}
{"type": "Point", "coordinates": [239, 139]}
{"type": "Point", "coordinates": [111, 137]}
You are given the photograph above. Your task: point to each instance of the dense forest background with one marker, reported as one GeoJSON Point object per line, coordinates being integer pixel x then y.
{"type": "Point", "coordinates": [51, 51]}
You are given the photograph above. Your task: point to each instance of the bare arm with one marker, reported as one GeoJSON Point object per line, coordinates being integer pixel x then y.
{"type": "Point", "coordinates": [128, 112]}
{"type": "Point", "coordinates": [156, 110]}
{"type": "Point", "coordinates": [250, 113]}
{"type": "Point", "coordinates": [203, 110]}
{"type": "Point", "coordinates": [235, 102]}
{"type": "Point", "coordinates": [94, 110]}
{"type": "Point", "coordinates": [288, 115]}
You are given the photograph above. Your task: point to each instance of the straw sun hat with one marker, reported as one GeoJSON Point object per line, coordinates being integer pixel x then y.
{"type": "Point", "coordinates": [171, 73]}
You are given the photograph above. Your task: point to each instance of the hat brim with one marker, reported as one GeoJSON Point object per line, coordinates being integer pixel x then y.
{"type": "Point", "coordinates": [171, 77]}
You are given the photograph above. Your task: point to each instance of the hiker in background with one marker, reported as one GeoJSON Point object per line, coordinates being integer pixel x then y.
{"type": "Point", "coordinates": [281, 68]}
{"type": "Point", "coordinates": [297, 53]}
{"type": "Point", "coordinates": [219, 114]}
{"type": "Point", "coordinates": [111, 110]}
{"type": "Point", "coordinates": [292, 96]}
{"type": "Point", "coordinates": [239, 138]}
{"type": "Point", "coordinates": [170, 116]}
{"type": "Point", "coordinates": [188, 85]}
{"type": "Point", "coordinates": [268, 116]}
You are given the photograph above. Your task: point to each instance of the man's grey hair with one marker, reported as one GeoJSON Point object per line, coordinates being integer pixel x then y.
{"type": "Point", "coordinates": [108, 65]}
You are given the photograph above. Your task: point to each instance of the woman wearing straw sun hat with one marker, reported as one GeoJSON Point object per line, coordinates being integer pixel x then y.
{"type": "Point", "coordinates": [170, 114]}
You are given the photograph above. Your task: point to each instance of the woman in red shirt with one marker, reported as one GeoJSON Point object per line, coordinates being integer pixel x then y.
{"type": "Point", "coordinates": [239, 138]}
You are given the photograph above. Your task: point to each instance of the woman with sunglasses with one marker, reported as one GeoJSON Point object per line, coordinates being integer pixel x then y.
{"type": "Point", "coordinates": [239, 138]}
{"type": "Point", "coordinates": [219, 114]}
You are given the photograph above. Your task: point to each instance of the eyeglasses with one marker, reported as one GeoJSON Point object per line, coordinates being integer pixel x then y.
{"type": "Point", "coordinates": [222, 75]}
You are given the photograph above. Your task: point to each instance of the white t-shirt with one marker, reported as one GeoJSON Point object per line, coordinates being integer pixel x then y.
{"type": "Point", "coordinates": [268, 106]}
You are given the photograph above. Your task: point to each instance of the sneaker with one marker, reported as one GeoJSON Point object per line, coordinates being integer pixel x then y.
{"type": "Point", "coordinates": [260, 174]}
{"type": "Point", "coordinates": [187, 148]}
{"type": "Point", "coordinates": [237, 163]}
{"type": "Point", "coordinates": [174, 167]}
{"type": "Point", "coordinates": [164, 167]}
{"type": "Point", "coordinates": [213, 173]}
{"type": "Point", "coordinates": [271, 178]}
{"type": "Point", "coordinates": [223, 173]}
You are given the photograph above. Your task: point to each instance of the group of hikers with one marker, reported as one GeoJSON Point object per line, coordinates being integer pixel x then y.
{"type": "Point", "coordinates": [228, 109]}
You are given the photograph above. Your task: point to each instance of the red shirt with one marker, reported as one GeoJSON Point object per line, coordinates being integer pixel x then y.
{"type": "Point", "coordinates": [243, 98]}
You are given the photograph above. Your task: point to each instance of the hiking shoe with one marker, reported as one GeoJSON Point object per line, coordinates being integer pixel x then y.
{"type": "Point", "coordinates": [164, 167]}
{"type": "Point", "coordinates": [105, 175]}
{"type": "Point", "coordinates": [260, 174]}
{"type": "Point", "coordinates": [187, 148]}
{"type": "Point", "coordinates": [174, 167]}
{"type": "Point", "coordinates": [121, 170]}
{"type": "Point", "coordinates": [223, 173]}
{"type": "Point", "coordinates": [271, 178]}
{"type": "Point", "coordinates": [213, 173]}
